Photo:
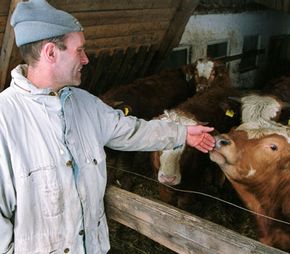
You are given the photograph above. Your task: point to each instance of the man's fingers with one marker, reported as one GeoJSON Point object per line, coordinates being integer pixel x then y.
{"type": "Point", "coordinates": [200, 148]}
{"type": "Point", "coordinates": [207, 138]}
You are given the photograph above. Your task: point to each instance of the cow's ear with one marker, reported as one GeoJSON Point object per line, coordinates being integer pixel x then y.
{"type": "Point", "coordinates": [155, 161]}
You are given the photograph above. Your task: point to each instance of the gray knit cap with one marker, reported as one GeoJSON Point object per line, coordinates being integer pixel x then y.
{"type": "Point", "coordinates": [37, 20]}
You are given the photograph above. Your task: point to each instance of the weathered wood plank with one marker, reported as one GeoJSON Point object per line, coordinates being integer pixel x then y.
{"type": "Point", "coordinates": [4, 7]}
{"type": "Point", "coordinates": [140, 59]}
{"type": "Point", "coordinates": [106, 31]}
{"type": "Point", "coordinates": [150, 55]}
{"type": "Point", "coordinates": [129, 58]}
{"type": "Point", "coordinates": [114, 69]}
{"type": "Point", "coordinates": [7, 46]}
{"type": "Point", "coordinates": [1, 38]}
{"type": "Point", "coordinates": [93, 5]}
{"type": "Point", "coordinates": [178, 230]}
{"type": "Point", "coordinates": [125, 41]}
{"type": "Point", "coordinates": [106, 61]}
{"type": "Point", "coordinates": [3, 20]}
{"type": "Point", "coordinates": [124, 16]}
{"type": "Point", "coordinates": [282, 5]}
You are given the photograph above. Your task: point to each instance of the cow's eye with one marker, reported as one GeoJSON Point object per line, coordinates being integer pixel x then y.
{"type": "Point", "coordinates": [274, 147]}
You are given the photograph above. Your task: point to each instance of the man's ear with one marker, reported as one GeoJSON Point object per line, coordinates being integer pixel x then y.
{"type": "Point", "coordinates": [49, 51]}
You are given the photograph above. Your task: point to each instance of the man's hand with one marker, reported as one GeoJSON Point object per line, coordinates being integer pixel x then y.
{"type": "Point", "coordinates": [199, 138]}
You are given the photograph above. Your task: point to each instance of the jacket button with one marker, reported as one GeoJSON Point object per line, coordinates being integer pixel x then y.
{"type": "Point", "coordinates": [82, 232]}
{"type": "Point", "coordinates": [66, 250]}
{"type": "Point", "coordinates": [95, 161]}
{"type": "Point", "coordinates": [53, 93]}
{"type": "Point", "coordinates": [69, 163]}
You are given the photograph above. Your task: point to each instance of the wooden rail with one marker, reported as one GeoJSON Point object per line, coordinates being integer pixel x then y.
{"type": "Point", "coordinates": [178, 230]}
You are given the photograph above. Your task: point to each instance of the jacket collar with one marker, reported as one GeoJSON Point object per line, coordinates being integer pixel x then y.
{"type": "Point", "coordinates": [22, 84]}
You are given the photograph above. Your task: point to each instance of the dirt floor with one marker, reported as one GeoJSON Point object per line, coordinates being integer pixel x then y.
{"type": "Point", "coordinates": [128, 241]}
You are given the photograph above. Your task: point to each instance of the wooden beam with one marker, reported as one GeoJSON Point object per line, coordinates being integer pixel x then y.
{"type": "Point", "coordinates": [123, 16]}
{"type": "Point", "coordinates": [282, 5]}
{"type": "Point", "coordinates": [124, 42]}
{"type": "Point", "coordinates": [7, 46]}
{"type": "Point", "coordinates": [4, 7]}
{"type": "Point", "coordinates": [174, 32]}
{"type": "Point", "coordinates": [121, 30]}
{"type": "Point", "coordinates": [178, 230]}
{"type": "Point", "coordinates": [3, 20]}
{"type": "Point", "coordinates": [89, 5]}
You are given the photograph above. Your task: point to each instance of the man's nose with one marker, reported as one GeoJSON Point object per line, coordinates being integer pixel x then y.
{"type": "Point", "coordinates": [85, 59]}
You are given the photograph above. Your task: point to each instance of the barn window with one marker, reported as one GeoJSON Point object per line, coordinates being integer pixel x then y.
{"type": "Point", "coordinates": [179, 56]}
{"type": "Point", "coordinates": [249, 57]}
{"type": "Point", "coordinates": [217, 50]}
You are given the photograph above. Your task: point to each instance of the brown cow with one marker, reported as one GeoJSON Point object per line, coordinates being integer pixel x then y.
{"type": "Point", "coordinates": [259, 170]}
{"type": "Point", "coordinates": [150, 96]}
{"type": "Point", "coordinates": [147, 98]}
{"type": "Point", "coordinates": [213, 107]}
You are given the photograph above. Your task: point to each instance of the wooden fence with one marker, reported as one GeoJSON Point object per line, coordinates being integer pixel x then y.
{"type": "Point", "coordinates": [176, 229]}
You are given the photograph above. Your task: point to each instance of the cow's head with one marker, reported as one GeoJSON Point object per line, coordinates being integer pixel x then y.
{"type": "Point", "coordinates": [166, 165]}
{"type": "Point", "coordinates": [249, 161]}
{"type": "Point", "coordinates": [207, 72]}
{"type": "Point", "coordinates": [255, 107]}
{"type": "Point", "coordinates": [167, 162]}
{"type": "Point", "coordinates": [259, 170]}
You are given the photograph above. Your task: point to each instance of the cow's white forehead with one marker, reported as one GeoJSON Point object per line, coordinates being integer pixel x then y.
{"type": "Point", "coordinates": [204, 68]}
{"type": "Point", "coordinates": [256, 107]}
{"type": "Point", "coordinates": [178, 117]}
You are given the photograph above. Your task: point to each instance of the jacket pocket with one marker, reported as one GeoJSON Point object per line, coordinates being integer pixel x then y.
{"type": "Point", "coordinates": [49, 190]}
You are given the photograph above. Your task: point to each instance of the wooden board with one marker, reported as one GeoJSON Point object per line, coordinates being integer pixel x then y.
{"type": "Point", "coordinates": [178, 230]}
{"type": "Point", "coordinates": [7, 47]}
{"type": "Point", "coordinates": [4, 7]}
{"type": "Point", "coordinates": [3, 20]}
{"type": "Point", "coordinates": [92, 5]}
{"type": "Point", "coordinates": [125, 42]}
{"type": "Point", "coordinates": [124, 16]}
{"type": "Point", "coordinates": [118, 30]}
{"type": "Point", "coordinates": [281, 5]}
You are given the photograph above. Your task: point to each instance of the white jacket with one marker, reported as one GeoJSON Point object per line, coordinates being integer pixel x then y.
{"type": "Point", "coordinates": [52, 165]}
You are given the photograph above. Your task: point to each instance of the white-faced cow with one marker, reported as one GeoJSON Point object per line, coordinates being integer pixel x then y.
{"type": "Point", "coordinates": [259, 115]}
{"type": "Point", "coordinates": [186, 167]}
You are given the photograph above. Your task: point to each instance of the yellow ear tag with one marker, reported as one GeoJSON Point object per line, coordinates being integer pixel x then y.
{"type": "Point", "coordinates": [288, 121]}
{"type": "Point", "coordinates": [230, 113]}
{"type": "Point", "coordinates": [126, 111]}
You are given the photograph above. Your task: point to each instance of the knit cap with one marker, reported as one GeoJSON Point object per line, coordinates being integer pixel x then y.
{"type": "Point", "coordinates": [37, 20]}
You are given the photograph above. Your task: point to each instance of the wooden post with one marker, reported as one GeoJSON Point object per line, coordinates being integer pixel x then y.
{"type": "Point", "coordinates": [178, 230]}
{"type": "Point", "coordinates": [7, 46]}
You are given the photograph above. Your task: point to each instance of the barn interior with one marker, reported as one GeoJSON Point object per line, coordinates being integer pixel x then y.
{"type": "Point", "coordinates": [128, 40]}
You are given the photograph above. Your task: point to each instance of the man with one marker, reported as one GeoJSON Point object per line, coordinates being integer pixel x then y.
{"type": "Point", "coordinates": [52, 138]}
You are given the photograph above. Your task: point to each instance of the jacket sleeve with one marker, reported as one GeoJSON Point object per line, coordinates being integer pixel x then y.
{"type": "Point", "coordinates": [132, 134]}
{"type": "Point", "coordinates": [7, 201]}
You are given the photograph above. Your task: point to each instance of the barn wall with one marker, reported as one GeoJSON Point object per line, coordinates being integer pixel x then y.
{"type": "Point", "coordinates": [202, 30]}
